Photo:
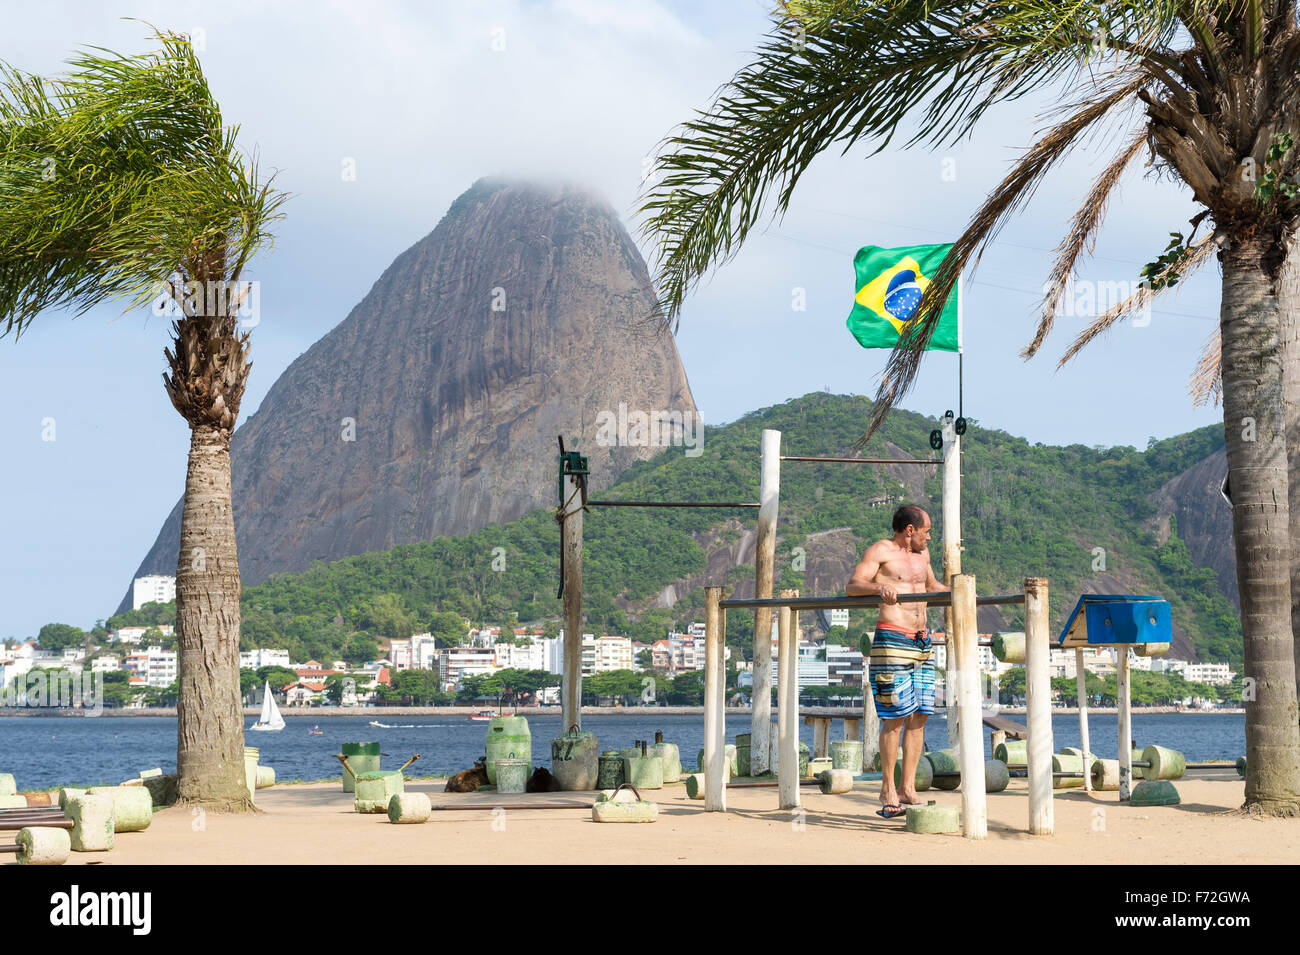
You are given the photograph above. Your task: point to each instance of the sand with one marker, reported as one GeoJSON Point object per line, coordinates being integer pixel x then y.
{"type": "Point", "coordinates": [314, 823]}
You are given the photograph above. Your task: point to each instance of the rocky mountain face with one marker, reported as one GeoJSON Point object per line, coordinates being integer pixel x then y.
{"type": "Point", "coordinates": [433, 408]}
{"type": "Point", "coordinates": [1204, 519]}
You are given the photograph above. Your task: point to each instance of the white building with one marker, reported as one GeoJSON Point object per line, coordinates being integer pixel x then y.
{"type": "Point", "coordinates": [457, 663]}
{"type": "Point", "coordinates": [983, 656]}
{"type": "Point", "coordinates": [256, 659]}
{"type": "Point", "coordinates": [419, 652]}
{"type": "Point", "coordinates": [531, 656]}
{"type": "Point", "coordinates": [1216, 674]}
{"type": "Point", "coordinates": [136, 634]}
{"type": "Point", "coordinates": [152, 666]}
{"type": "Point", "coordinates": [840, 618]}
{"type": "Point", "coordinates": [603, 654]}
{"type": "Point", "coordinates": [812, 667]}
{"type": "Point", "coordinates": [11, 668]}
{"type": "Point", "coordinates": [152, 589]}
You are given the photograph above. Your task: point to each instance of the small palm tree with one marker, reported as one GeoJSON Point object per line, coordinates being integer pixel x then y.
{"type": "Point", "coordinates": [1208, 88]}
{"type": "Point", "coordinates": [119, 180]}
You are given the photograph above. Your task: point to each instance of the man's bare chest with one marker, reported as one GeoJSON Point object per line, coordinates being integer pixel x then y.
{"type": "Point", "coordinates": [905, 568]}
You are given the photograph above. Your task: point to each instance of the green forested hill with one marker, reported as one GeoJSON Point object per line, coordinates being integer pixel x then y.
{"type": "Point", "coordinates": [1028, 510]}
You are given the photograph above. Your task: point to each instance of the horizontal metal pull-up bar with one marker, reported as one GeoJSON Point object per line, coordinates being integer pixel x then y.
{"type": "Point", "coordinates": [843, 601]}
{"type": "Point", "coordinates": [668, 504]}
{"type": "Point", "coordinates": [791, 457]}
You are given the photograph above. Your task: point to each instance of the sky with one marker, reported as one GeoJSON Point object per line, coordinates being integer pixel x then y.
{"type": "Point", "coordinates": [421, 99]}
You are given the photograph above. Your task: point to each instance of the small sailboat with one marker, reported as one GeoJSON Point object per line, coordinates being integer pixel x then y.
{"type": "Point", "coordinates": [270, 721]}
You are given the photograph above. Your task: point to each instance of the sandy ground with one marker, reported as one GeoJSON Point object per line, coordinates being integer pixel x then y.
{"type": "Point", "coordinates": [314, 823]}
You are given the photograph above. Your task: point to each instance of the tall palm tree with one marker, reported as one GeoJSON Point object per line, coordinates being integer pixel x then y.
{"type": "Point", "coordinates": [1208, 88]}
{"type": "Point", "coordinates": [119, 180]}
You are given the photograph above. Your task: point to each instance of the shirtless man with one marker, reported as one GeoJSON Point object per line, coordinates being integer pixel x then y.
{"type": "Point", "coordinates": [901, 662]}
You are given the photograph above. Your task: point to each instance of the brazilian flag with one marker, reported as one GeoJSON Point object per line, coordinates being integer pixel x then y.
{"type": "Point", "coordinates": [889, 289]}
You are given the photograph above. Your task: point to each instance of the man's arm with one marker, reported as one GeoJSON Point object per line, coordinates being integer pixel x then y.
{"type": "Point", "coordinates": [932, 585]}
{"type": "Point", "coordinates": [863, 583]}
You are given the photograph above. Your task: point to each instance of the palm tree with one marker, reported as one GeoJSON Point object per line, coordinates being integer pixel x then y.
{"type": "Point", "coordinates": [119, 180]}
{"type": "Point", "coordinates": [1209, 88]}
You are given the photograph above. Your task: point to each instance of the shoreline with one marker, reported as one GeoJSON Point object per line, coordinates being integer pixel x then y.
{"type": "Point", "coordinates": [375, 712]}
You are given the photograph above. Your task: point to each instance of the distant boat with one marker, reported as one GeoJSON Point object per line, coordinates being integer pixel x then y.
{"type": "Point", "coordinates": [270, 721]}
{"type": "Point", "coordinates": [315, 731]}
{"type": "Point", "coordinates": [379, 724]}
{"type": "Point", "coordinates": [482, 716]}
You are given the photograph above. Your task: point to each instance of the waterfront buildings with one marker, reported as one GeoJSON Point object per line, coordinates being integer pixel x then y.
{"type": "Point", "coordinates": [256, 659]}
{"type": "Point", "coordinates": [133, 635]}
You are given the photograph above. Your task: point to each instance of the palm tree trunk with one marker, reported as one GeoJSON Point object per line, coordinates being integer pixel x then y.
{"type": "Point", "coordinates": [210, 721]}
{"type": "Point", "coordinates": [1288, 294]}
{"type": "Point", "coordinates": [1254, 432]}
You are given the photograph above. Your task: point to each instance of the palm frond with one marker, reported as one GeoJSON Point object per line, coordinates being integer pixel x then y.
{"type": "Point", "coordinates": [1206, 383]}
{"type": "Point", "coordinates": [116, 175]}
{"type": "Point", "coordinates": [853, 78]}
{"type": "Point", "coordinates": [1016, 189]}
{"type": "Point", "coordinates": [1193, 258]}
{"type": "Point", "coordinates": [1082, 235]}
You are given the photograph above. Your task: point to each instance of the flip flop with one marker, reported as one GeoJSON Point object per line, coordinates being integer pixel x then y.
{"type": "Point", "coordinates": [890, 810]}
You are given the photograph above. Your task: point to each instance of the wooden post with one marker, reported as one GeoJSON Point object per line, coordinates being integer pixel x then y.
{"type": "Point", "coordinates": [852, 728]}
{"type": "Point", "coordinates": [1038, 710]}
{"type": "Point", "coordinates": [870, 720]}
{"type": "Point", "coordinates": [787, 699]}
{"type": "Point", "coordinates": [571, 682]}
{"type": "Point", "coordinates": [996, 739]}
{"type": "Point", "coordinates": [951, 561]}
{"type": "Point", "coordinates": [769, 495]}
{"type": "Point", "coordinates": [1123, 691]}
{"type": "Point", "coordinates": [1081, 682]}
{"type": "Point", "coordinates": [715, 685]}
{"type": "Point", "coordinates": [821, 734]}
{"type": "Point", "coordinates": [963, 661]}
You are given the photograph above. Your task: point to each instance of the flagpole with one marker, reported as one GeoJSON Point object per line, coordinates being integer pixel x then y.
{"type": "Point", "coordinates": [952, 534]}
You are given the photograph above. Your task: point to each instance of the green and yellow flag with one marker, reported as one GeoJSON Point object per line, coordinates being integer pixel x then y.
{"type": "Point", "coordinates": [889, 289]}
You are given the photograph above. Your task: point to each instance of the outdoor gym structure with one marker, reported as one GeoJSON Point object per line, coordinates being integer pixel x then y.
{"type": "Point", "coordinates": [963, 670]}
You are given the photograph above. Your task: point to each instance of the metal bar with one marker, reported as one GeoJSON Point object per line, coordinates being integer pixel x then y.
{"type": "Point", "coordinates": [872, 600]}
{"type": "Point", "coordinates": [39, 823]}
{"type": "Point", "coordinates": [21, 809]}
{"type": "Point", "coordinates": [670, 504]}
{"type": "Point", "coordinates": [769, 783]}
{"type": "Point", "coordinates": [792, 457]}
{"type": "Point", "coordinates": [1015, 771]}
{"type": "Point", "coordinates": [518, 805]}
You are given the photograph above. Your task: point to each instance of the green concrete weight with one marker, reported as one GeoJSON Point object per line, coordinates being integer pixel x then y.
{"type": "Point", "coordinates": [43, 846]}
{"type": "Point", "coordinates": [1155, 792]}
{"type": "Point", "coordinates": [944, 761]}
{"type": "Point", "coordinates": [1012, 752]}
{"type": "Point", "coordinates": [1062, 763]}
{"type": "Point", "coordinates": [932, 818]}
{"type": "Point", "coordinates": [924, 778]}
{"type": "Point", "coordinates": [996, 776]}
{"type": "Point", "coordinates": [1165, 763]}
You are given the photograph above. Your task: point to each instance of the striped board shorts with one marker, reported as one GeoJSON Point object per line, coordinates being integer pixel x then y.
{"type": "Point", "coordinates": [901, 672]}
